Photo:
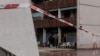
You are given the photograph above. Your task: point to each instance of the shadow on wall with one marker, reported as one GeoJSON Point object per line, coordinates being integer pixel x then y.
{"type": "Point", "coordinates": [4, 52]}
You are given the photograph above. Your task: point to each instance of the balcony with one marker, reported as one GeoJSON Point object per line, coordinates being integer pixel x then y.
{"type": "Point", "coordinates": [56, 4]}
{"type": "Point", "coordinates": [47, 23]}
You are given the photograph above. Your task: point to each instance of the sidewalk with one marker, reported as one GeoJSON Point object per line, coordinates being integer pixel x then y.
{"type": "Point", "coordinates": [67, 52]}
{"type": "Point", "coordinates": [47, 49]}
{"type": "Point", "coordinates": [56, 51]}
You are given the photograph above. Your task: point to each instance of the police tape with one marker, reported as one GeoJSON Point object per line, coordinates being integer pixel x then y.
{"type": "Point", "coordinates": [65, 22]}
{"type": "Point", "coordinates": [61, 20]}
{"type": "Point", "coordinates": [33, 7]}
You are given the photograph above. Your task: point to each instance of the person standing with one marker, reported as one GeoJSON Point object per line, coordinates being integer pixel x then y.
{"type": "Point", "coordinates": [51, 41]}
{"type": "Point", "coordinates": [56, 40]}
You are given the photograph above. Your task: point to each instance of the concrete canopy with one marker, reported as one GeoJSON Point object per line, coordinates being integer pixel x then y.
{"type": "Point", "coordinates": [17, 33]}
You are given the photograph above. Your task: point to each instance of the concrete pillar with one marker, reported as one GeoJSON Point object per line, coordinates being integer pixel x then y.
{"type": "Point", "coordinates": [59, 29]}
{"type": "Point", "coordinates": [44, 36]}
{"type": "Point", "coordinates": [59, 35]}
{"type": "Point", "coordinates": [72, 14]}
{"type": "Point", "coordinates": [42, 17]}
{"type": "Point", "coordinates": [17, 33]}
{"type": "Point", "coordinates": [59, 13]}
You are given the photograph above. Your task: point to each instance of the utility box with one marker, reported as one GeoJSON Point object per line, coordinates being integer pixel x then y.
{"type": "Point", "coordinates": [17, 33]}
{"type": "Point", "coordinates": [88, 19]}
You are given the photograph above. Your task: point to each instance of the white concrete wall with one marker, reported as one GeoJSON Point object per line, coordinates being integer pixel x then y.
{"type": "Point", "coordinates": [14, 1]}
{"type": "Point", "coordinates": [88, 18]}
{"type": "Point", "coordinates": [17, 33]}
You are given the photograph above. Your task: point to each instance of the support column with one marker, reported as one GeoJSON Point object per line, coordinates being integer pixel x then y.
{"type": "Point", "coordinates": [59, 13]}
{"type": "Point", "coordinates": [44, 36]}
{"type": "Point", "coordinates": [59, 29]}
{"type": "Point", "coordinates": [59, 35]}
{"type": "Point", "coordinates": [72, 14]}
{"type": "Point", "coordinates": [42, 16]}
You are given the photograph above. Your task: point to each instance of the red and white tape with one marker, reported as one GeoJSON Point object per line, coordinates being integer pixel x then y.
{"type": "Point", "coordinates": [14, 6]}
{"type": "Point", "coordinates": [66, 22]}
{"type": "Point", "coordinates": [61, 20]}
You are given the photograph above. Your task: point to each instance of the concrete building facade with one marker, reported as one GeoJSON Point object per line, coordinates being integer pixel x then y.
{"type": "Point", "coordinates": [88, 19]}
{"type": "Point", "coordinates": [46, 26]}
{"type": "Point", "coordinates": [82, 13]}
